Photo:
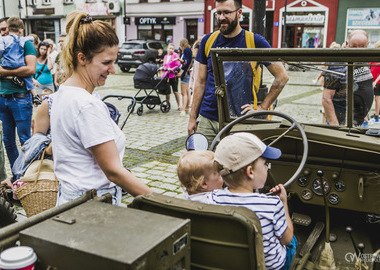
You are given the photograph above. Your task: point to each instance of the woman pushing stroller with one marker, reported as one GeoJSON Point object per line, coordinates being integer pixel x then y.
{"type": "Point", "coordinates": [172, 65]}
{"type": "Point", "coordinates": [87, 144]}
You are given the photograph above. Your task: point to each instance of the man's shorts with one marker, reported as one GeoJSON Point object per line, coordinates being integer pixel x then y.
{"type": "Point", "coordinates": [377, 89]}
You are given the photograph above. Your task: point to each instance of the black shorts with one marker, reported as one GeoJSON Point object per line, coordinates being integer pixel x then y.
{"type": "Point", "coordinates": [377, 89]}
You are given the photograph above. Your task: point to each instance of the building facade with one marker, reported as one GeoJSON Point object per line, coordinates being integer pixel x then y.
{"type": "Point", "coordinates": [309, 23]}
{"type": "Point", "coordinates": [47, 18]}
{"type": "Point", "coordinates": [364, 14]}
{"type": "Point", "coordinates": [168, 21]}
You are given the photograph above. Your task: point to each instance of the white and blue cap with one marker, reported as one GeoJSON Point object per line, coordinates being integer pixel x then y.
{"type": "Point", "coordinates": [241, 149]}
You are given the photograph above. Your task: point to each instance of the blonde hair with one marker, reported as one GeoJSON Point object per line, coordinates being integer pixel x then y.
{"type": "Point", "coordinates": [15, 24]}
{"type": "Point", "coordinates": [36, 39]}
{"type": "Point", "coordinates": [184, 43]}
{"type": "Point", "coordinates": [85, 36]}
{"type": "Point", "coordinates": [192, 169]}
{"type": "Point", "coordinates": [377, 44]}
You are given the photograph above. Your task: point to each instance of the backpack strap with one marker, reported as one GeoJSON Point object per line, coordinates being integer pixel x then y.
{"type": "Point", "coordinates": [210, 42]}
{"type": "Point", "coordinates": [256, 69]}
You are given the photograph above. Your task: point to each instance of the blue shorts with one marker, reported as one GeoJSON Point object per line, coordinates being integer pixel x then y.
{"type": "Point", "coordinates": [65, 196]}
{"type": "Point", "coordinates": [186, 79]}
{"type": "Point", "coordinates": [290, 252]}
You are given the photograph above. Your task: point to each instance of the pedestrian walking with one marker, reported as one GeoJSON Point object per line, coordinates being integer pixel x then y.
{"type": "Point", "coordinates": [43, 77]}
{"type": "Point", "coordinates": [186, 63]}
{"type": "Point", "coordinates": [171, 65]}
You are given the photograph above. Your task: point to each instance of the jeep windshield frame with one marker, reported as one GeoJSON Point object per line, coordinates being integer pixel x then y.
{"type": "Point", "coordinates": [297, 57]}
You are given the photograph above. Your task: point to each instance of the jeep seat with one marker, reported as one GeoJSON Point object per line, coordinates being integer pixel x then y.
{"type": "Point", "coordinates": [222, 237]}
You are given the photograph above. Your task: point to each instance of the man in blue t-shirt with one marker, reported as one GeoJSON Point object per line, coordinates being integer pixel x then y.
{"type": "Point", "coordinates": [231, 35]}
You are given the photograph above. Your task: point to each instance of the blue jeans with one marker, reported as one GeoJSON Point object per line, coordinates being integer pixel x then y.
{"type": "Point", "coordinates": [65, 196]}
{"type": "Point", "coordinates": [15, 113]}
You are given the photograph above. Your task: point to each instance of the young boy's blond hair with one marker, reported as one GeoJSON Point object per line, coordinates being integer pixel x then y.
{"type": "Point", "coordinates": [15, 24]}
{"type": "Point", "coordinates": [193, 167]}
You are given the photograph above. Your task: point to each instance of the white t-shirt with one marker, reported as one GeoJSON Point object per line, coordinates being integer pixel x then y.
{"type": "Point", "coordinates": [269, 210]}
{"type": "Point", "coordinates": [79, 121]}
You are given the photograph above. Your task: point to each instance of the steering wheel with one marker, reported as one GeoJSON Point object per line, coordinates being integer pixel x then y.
{"type": "Point", "coordinates": [294, 124]}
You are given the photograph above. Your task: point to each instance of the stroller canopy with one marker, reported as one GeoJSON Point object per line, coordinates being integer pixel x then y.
{"type": "Point", "coordinates": [145, 72]}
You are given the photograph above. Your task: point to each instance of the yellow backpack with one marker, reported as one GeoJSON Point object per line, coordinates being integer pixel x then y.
{"type": "Point", "coordinates": [250, 42]}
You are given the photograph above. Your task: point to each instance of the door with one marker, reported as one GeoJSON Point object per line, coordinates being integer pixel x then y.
{"type": "Point", "coordinates": [192, 30]}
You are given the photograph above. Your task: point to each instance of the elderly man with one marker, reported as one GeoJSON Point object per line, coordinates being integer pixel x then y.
{"type": "Point", "coordinates": [335, 88]}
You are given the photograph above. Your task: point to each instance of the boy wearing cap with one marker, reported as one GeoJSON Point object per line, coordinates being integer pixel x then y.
{"type": "Point", "coordinates": [241, 160]}
{"type": "Point", "coordinates": [196, 174]}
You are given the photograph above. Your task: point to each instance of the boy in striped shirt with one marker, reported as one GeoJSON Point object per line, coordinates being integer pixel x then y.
{"type": "Point", "coordinates": [241, 160]}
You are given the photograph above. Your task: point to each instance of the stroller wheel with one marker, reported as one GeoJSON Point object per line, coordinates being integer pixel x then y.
{"type": "Point", "coordinates": [130, 108]}
{"type": "Point", "coordinates": [150, 106]}
{"type": "Point", "coordinates": [140, 111]}
{"type": "Point", "coordinates": [165, 106]}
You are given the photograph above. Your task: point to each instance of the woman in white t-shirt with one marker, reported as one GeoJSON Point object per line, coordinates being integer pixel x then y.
{"type": "Point", "coordinates": [88, 146]}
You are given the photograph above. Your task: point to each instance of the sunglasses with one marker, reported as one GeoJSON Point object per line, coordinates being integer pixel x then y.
{"type": "Point", "coordinates": [3, 29]}
{"type": "Point", "coordinates": [44, 44]}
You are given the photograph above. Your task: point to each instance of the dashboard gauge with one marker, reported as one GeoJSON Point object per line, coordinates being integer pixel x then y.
{"type": "Point", "coordinates": [302, 181]}
{"type": "Point", "coordinates": [334, 198]}
{"type": "Point", "coordinates": [317, 186]}
{"type": "Point", "coordinates": [307, 194]}
{"type": "Point", "coordinates": [340, 186]}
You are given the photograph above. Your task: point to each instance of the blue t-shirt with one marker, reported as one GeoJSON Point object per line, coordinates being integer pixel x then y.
{"type": "Point", "coordinates": [187, 56]}
{"type": "Point", "coordinates": [209, 106]}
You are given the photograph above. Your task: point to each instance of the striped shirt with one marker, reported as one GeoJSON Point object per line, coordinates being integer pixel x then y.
{"type": "Point", "coordinates": [269, 210]}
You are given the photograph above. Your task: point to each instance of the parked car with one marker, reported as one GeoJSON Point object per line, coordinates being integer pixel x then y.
{"type": "Point", "coordinates": [133, 53]}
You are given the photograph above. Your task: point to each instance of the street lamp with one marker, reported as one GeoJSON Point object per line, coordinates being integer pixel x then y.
{"type": "Point", "coordinates": [284, 43]}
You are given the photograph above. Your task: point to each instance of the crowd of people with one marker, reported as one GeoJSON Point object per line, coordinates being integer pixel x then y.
{"type": "Point", "coordinates": [75, 66]}
{"type": "Point", "coordinates": [88, 146]}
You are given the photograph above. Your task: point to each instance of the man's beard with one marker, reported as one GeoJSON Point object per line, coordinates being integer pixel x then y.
{"type": "Point", "coordinates": [230, 28]}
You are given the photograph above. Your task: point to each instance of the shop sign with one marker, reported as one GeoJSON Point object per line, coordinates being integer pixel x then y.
{"type": "Point", "coordinates": [363, 17]}
{"type": "Point", "coordinates": [93, 9]}
{"type": "Point", "coordinates": [154, 20]}
{"type": "Point", "coordinates": [305, 19]}
{"type": "Point", "coordinates": [43, 11]}
{"type": "Point", "coordinates": [269, 5]}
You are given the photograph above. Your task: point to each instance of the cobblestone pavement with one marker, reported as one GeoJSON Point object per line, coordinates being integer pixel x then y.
{"type": "Point", "coordinates": [155, 140]}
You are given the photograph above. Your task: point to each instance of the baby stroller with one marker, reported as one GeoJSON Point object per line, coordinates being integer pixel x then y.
{"type": "Point", "coordinates": [145, 80]}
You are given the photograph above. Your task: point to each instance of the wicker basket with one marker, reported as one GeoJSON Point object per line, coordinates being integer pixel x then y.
{"type": "Point", "coordinates": [41, 193]}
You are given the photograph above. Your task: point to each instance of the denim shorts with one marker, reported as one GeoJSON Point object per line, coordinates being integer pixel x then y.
{"type": "Point", "coordinates": [186, 79]}
{"type": "Point", "coordinates": [65, 196]}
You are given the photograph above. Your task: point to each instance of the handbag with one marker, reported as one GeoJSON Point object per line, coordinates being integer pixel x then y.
{"type": "Point", "coordinates": [39, 193]}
